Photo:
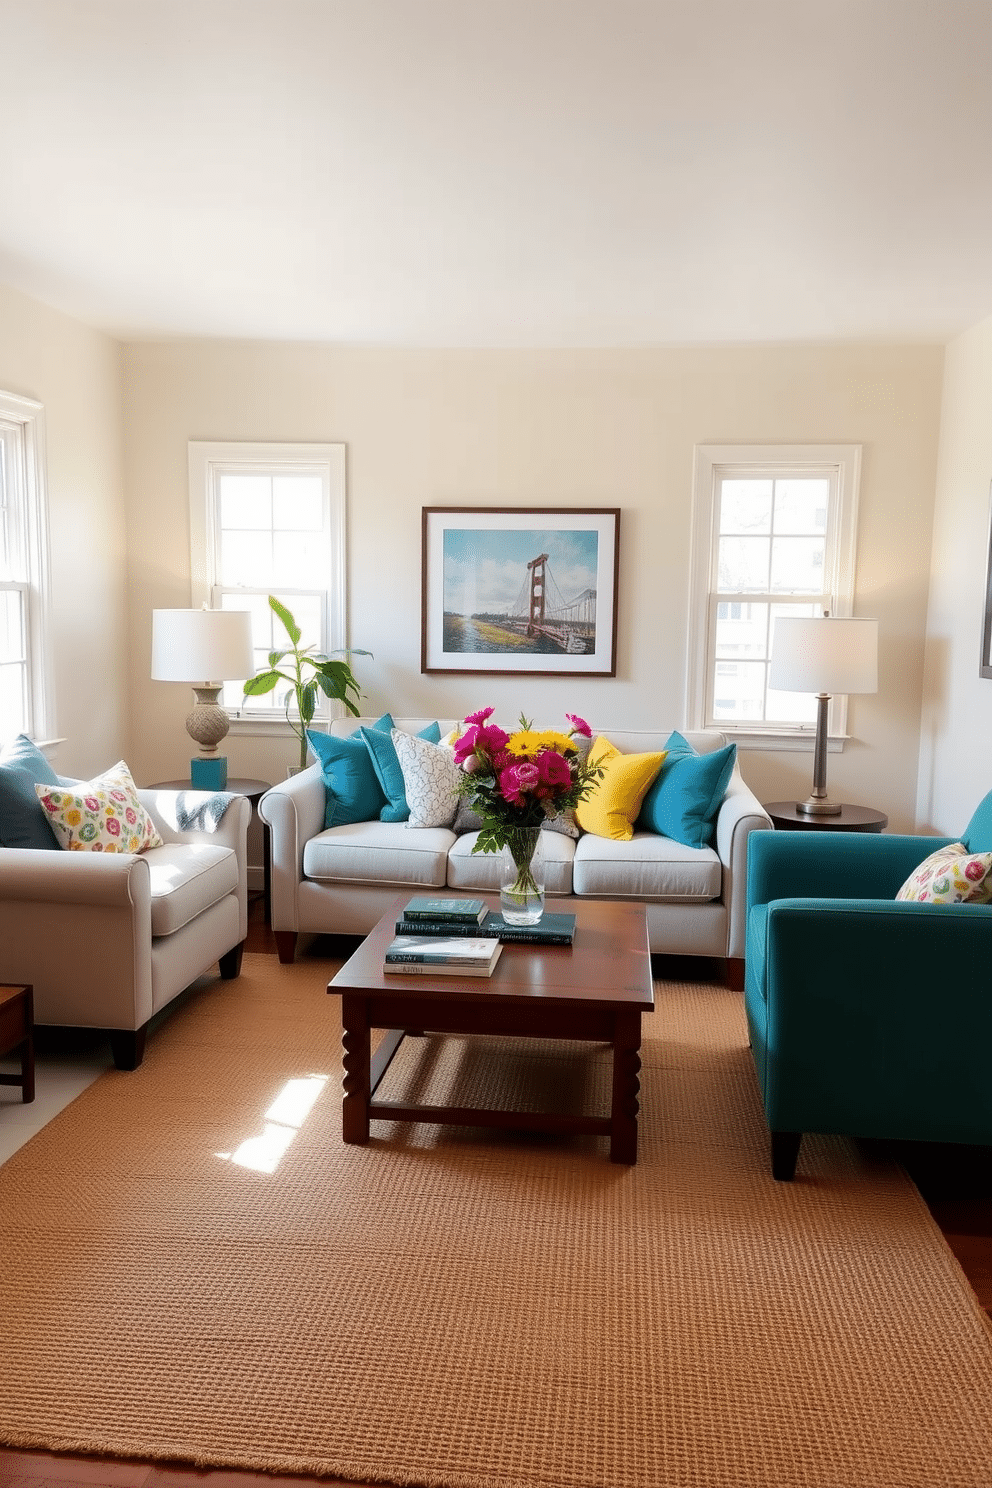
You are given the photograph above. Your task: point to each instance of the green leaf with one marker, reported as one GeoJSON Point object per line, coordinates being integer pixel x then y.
{"type": "Point", "coordinates": [264, 682]}
{"type": "Point", "coordinates": [307, 701]}
{"type": "Point", "coordinates": [292, 629]}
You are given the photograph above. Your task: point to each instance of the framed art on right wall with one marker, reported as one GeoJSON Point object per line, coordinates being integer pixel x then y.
{"type": "Point", "coordinates": [985, 668]}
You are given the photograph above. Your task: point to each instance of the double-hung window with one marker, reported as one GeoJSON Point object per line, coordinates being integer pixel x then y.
{"type": "Point", "coordinates": [25, 673]}
{"type": "Point", "coordinates": [773, 534]}
{"type": "Point", "coordinates": [270, 519]}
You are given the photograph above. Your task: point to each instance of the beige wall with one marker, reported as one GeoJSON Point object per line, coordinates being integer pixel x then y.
{"type": "Point", "coordinates": [76, 373]}
{"type": "Point", "coordinates": [596, 428]}
{"type": "Point", "coordinates": [957, 709]}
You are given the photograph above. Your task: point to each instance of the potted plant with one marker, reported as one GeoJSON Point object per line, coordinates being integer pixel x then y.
{"type": "Point", "coordinates": [308, 673]}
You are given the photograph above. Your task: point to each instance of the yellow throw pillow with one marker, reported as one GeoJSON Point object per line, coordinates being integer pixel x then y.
{"type": "Point", "coordinates": [611, 807]}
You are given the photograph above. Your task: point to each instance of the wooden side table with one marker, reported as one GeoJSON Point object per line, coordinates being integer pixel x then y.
{"type": "Point", "coordinates": [17, 1032]}
{"type": "Point", "coordinates": [252, 790]}
{"type": "Point", "coordinates": [786, 817]}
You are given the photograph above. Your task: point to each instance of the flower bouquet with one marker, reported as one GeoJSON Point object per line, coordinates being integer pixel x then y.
{"type": "Point", "coordinates": [514, 783]}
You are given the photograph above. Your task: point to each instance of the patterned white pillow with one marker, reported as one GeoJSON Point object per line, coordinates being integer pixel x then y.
{"type": "Point", "coordinates": [951, 875]}
{"type": "Point", "coordinates": [430, 780]}
{"type": "Point", "coordinates": [101, 815]}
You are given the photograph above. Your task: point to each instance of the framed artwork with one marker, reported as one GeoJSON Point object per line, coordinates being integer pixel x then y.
{"type": "Point", "coordinates": [523, 591]}
{"type": "Point", "coordinates": [985, 667]}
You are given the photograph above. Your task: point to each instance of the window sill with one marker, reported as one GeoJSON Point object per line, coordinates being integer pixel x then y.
{"type": "Point", "coordinates": [796, 741]}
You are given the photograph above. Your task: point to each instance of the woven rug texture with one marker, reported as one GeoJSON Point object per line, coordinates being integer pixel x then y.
{"type": "Point", "coordinates": [194, 1267]}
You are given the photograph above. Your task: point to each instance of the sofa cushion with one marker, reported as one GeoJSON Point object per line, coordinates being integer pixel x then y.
{"type": "Point", "coordinates": [22, 817]}
{"type": "Point", "coordinates": [100, 815]}
{"type": "Point", "coordinates": [613, 802]}
{"type": "Point", "coordinates": [430, 778]}
{"type": "Point", "coordinates": [484, 871]}
{"type": "Point", "coordinates": [375, 852]}
{"type": "Point", "coordinates": [386, 764]}
{"type": "Point", "coordinates": [647, 867]}
{"type": "Point", "coordinates": [683, 802]}
{"type": "Point", "coordinates": [353, 791]}
{"type": "Point", "coordinates": [186, 878]}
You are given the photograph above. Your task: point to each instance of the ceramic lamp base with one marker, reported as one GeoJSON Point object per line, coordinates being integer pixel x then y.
{"type": "Point", "coordinates": [208, 774]}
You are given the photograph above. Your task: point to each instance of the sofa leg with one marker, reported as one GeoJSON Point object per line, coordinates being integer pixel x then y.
{"type": "Point", "coordinates": [734, 972]}
{"type": "Point", "coordinates": [128, 1046]}
{"type": "Point", "coordinates": [230, 962]}
{"type": "Point", "coordinates": [785, 1151]}
{"type": "Point", "coordinates": [286, 946]}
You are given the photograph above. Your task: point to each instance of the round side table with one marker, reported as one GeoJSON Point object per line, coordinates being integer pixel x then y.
{"type": "Point", "coordinates": [786, 817]}
{"type": "Point", "coordinates": [253, 790]}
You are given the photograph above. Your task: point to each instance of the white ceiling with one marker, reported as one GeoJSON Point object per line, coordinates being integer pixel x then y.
{"type": "Point", "coordinates": [500, 172]}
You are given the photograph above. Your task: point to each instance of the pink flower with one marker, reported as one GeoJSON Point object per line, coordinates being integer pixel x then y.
{"type": "Point", "coordinates": [517, 780]}
{"type": "Point", "coordinates": [465, 746]}
{"type": "Point", "coordinates": [481, 716]}
{"type": "Point", "coordinates": [113, 826]}
{"type": "Point", "coordinates": [579, 725]}
{"type": "Point", "coordinates": [553, 769]}
{"type": "Point", "coordinates": [91, 803]}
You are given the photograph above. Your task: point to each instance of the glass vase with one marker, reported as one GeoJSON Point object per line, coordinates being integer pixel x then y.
{"type": "Point", "coordinates": [521, 895]}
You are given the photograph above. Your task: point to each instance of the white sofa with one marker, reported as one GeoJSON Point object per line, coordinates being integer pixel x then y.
{"type": "Point", "coordinates": [340, 880]}
{"type": "Point", "coordinates": [106, 939]}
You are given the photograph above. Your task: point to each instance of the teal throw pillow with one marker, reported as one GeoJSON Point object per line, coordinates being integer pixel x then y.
{"type": "Point", "coordinates": [353, 792]}
{"type": "Point", "coordinates": [22, 816]}
{"type": "Point", "coordinates": [385, 763]}
{"type": "Point", "coordinates": [684, 800]}
{"type": "Point", "coordinates": [978, 833]}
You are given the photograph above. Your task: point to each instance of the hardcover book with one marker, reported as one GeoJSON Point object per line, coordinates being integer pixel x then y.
{"type": "Point", "coordinates": [553, 929]}
{"type": "Point", "coordinates": [440, 956]}
{"type": "Point", "coordinates": [461, 911]}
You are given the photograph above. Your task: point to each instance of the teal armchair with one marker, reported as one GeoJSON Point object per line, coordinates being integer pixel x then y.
{"type": "Point", "coordinates": [867, 1017]}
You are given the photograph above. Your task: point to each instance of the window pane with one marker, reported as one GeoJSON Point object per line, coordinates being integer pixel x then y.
{"type": "Point", "coordinates": [245, 558]}
{"type": "Point", "coordinates": [738, 691]}
{"type": "Point", "coordinates": [797, 565]}
{"type": "Point", "coordinates": [13, 701]}
{"type": "Point", "coordinates": [298, 503]}
{"type": "Point", "coordinates": [746, 506]}
{"type": "Point", "coordinates": [246, 501]}
{"type": "Point", "coordinates": [801, 505]}
{"type": "Point", "coordinates": [743, 565]}
{"type": "Point", "coordinates": [297, 559]}
{"type": "Point", "coordinates": [742, 630]}
{"type": "Point", "coordinates": [790, 707]}
{"type": "Point", "coordinates": [12, 638]}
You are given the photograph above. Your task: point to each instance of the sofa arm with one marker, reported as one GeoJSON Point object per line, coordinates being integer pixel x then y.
{"type": "Point", "coordinates": [876, 1010]}
{"type": "Point", "coordinates": [740, 814]}
{"type": "Point", "coordinates": [101, 880]}
{"type": "Point", "coordinates": [230, 831]}
{"type": "Point", "coordinates": [833, 865]}
{"type": "Point", "coordinates": [293, 811]}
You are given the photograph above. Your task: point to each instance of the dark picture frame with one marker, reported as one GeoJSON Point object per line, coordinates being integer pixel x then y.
{"type": "Point", "coordinates": [985, 665]}
{"type": "Point", "coordinates": [520, 591]}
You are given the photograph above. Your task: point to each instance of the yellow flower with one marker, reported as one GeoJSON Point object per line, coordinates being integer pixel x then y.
{"type": "Point", "coordinates": [529, 742]}
{"type": "Point", "coordinates": [73, 817]}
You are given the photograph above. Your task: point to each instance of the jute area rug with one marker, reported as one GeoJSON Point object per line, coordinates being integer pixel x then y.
{"type": "Point", "coordinates": [194, 1267]}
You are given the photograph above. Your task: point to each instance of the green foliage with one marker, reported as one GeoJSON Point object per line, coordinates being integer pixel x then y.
{"type": "Point", "coordinates": [308, 672]}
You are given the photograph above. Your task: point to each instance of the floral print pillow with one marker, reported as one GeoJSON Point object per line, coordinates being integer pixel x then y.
{"type": "Point", "coordinates": [951, 875]}
{"type": "Point", "coordinates": [101, 815]}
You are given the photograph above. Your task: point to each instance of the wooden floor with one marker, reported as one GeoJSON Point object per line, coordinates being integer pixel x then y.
{"type": "Point", "coordinates": [956, 1183]}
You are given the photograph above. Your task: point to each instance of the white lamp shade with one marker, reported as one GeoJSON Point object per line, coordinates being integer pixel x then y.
{"type": "Point", "coordinates": [201, 645]}
{"type": "Point", "coordinates": [826, 654]}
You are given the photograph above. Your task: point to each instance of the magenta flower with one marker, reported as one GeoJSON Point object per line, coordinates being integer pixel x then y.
{"type": "Point", "coordinates": [480, 716]}
{"type": "Point", "coordinates": [553, 770]}
{"type": "Point", "coordinates": [518, 780]}
{"type": "Point", "coordinates": [465, 746]}
{"type": "Point", "coordinates": [113, 826]}
{"type": "Point", "coordinates": [579, 725]}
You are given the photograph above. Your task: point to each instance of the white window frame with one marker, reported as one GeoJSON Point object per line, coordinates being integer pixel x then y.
{"type": "Point", "coordinates": [208, 459]}
{"type": "Point", "coordinates": [28, 498]}
{"type": "Point", "coordinates": [713, 462]}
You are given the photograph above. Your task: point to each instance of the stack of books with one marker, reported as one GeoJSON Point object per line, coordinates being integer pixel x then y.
{"type": "Point", "coordinates": [469, 918]}
{"type": "Point", "coordinates": [423, 955]}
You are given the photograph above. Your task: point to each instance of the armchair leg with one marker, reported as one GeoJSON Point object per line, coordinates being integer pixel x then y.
{"type": "Point", "coordinates": [286, 946]}
{"type": "Point", "coordinates": [128, 1046]}
{"type": "Point", "coordinates": [785, 1151]}
{"type": "Point", "coordinates": [230, 962]}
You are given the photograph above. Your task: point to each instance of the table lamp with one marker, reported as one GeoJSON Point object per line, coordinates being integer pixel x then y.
{"type": "Point", "coordinates": [205, 648]}
{"type": "Point", "coordinates": [824, 655]}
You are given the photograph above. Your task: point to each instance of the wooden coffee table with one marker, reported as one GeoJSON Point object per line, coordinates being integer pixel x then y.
{"type": "Point", "coordinates": [596, 989]}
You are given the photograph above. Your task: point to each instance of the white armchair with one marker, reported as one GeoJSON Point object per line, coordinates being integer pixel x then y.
{"type": "Point", "coordinates": [106, 940]}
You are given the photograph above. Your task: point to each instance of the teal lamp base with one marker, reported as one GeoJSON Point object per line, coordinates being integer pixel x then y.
{"type": "Point", "coordinates": [208, 774]}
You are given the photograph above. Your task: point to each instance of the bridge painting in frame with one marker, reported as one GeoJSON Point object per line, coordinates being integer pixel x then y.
{"type": "Point", "coordinates": [524, 591]}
